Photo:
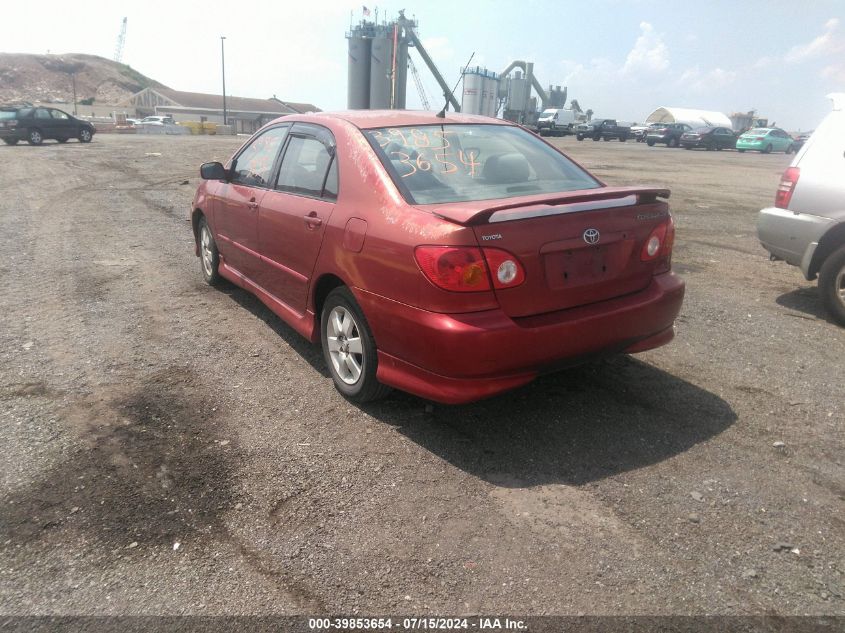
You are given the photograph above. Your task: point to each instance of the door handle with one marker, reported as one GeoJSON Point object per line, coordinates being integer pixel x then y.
{"type": "Point", "coordinates": [312, 221]}
{"type": "Point", "coordinates": [252, 204]}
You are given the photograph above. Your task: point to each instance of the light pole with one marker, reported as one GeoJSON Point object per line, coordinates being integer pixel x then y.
{"type": "Point", "coordinates": [223, 63]}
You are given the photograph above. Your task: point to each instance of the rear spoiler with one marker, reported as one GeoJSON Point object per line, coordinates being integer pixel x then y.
{"type": "Point", "coordinates": [569, 202]}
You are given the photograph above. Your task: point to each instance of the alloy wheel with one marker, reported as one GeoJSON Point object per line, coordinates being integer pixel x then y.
{"type": "Point", "coordinates": [344, 343]}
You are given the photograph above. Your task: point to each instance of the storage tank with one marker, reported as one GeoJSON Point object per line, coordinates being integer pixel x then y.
{"type": "Point", "coordinates": [472, 100]}
{"type": "Point", "coordinates": [381, 60]}
{"type": "Point", "coordinates": [358, 91]}
{"type": "Point", "coordinates": [401, 73]}
{"type": "Point", "coordinates": [491, 95]}
{"type": "Point", "coordinates": [517, 92]}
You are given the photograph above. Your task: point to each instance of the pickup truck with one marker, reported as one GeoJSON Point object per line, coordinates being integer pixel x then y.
{"type": "Point", "coordinates": [602, 129]}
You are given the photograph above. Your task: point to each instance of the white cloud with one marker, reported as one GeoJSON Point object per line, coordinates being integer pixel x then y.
{"type": "Point", "coordinates": [835, 72]}
{"type": "Point", "coordinates": [830, 42]}
{"type": "Point", "coordinates": [439, 49]}
{"type": "Point", "coordinates": [707, 81]}
{"type": "Point", "coordinates": [650, 53]}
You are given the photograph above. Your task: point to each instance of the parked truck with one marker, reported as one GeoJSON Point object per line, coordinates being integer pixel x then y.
{"type": "Point", "coordinates": [606, 129]}
{"type": "Point", "coordinates": [557, 122]}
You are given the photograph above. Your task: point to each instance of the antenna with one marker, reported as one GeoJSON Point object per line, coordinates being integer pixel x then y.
{"type": "Point", "coordinates": [442, 113]}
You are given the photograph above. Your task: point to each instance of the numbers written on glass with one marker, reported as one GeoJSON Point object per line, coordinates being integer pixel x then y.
{"type": "Point", "coordinates": [424, 150]}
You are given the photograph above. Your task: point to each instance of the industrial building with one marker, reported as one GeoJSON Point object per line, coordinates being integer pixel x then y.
{"type": "Point", "coordinates": [245, 115]}
{"type": "Point", "coordinates": [379, 64]}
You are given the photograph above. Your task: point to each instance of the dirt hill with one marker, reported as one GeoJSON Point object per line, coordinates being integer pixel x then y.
{"type": "Point", "coordinates": [47, 78]}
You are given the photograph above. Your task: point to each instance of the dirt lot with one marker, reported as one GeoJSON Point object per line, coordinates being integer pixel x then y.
{"type": "Point", "coordinates": [172, 448]}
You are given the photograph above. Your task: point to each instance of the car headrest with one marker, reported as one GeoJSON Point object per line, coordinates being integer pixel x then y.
{"type": "Point", "coordinates": [506, 169]}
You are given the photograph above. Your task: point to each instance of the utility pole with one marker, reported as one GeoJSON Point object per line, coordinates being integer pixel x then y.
{"type": "Point", "coordinates": [223, 63]}
{"type": "Point", "coordinates": [73, 81]}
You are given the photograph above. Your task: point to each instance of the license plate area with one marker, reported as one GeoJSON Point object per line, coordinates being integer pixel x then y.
{"type": "Point", "coordinates": [575, 267]}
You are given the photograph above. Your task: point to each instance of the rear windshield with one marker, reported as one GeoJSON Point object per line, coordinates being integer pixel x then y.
{"type": "Point", "coordinates": [457, 163]}
{"type": "Point", "coordinates": [702, 130]}
{"type": "Point", "coordinates": [7, 114]}
{"type": "Point", "coordinates": [760, 131]}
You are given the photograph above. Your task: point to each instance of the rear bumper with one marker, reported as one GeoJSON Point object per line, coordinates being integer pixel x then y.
{"type": "Point", "coordinates": [792, 237]}
{"type": "Point", "coordinates": [12, 132]}
{"type": "Point", "coordinates": [457, 358]}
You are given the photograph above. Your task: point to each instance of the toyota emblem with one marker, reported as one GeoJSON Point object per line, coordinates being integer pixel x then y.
{"type": "Point", "coordinates": [592, 236]}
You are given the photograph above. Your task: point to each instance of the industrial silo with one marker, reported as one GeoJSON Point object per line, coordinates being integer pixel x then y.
{"type": "Point", "coordinates": [401, 73]}
{"type": "Point", "coordinates": [381, 61]}
{"type": "Point", "coordinates": [473, 96]}
{"type": "Point", "coordinates": [517, 92]}
{"type": "Point", "coordinates": [491, 95]}
{"type": "Point", "coordinates": [358, 91]}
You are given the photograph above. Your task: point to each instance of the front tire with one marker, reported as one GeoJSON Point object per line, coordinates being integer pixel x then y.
{"type": "Point", "coordinates": [832, 285]}
{"type": "Point", "coordinates": [85, 135]}
{"type": "Point", "coordinates": [35, 137]}
{"type": "Point", "coordinates": [349, 348]}
{"type": "Point", "coordinates": [672, 142]}
{"type": "Point", "coordinates": [580, 137]}
{"type": "Point", "coordinates": [209, 255]}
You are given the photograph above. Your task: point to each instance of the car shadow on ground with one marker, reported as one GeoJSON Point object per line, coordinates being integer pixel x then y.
{"type": "Point", "coordinates": [298, 343]}
{"type": "Point", "coordinates": [806, 301]}
{"type": "Point", "coordinates": [573, 427]}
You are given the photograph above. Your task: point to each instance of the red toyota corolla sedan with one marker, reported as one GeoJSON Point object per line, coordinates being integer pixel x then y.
{"type": "Point", "coordinates": [453, 258]}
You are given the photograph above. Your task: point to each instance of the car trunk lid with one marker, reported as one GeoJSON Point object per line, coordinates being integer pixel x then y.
{"type": "Point", "coordinates": [576, 248]}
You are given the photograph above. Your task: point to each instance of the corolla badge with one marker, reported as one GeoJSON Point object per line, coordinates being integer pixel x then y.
{"type": "Point", "coordinates": [592, 236]}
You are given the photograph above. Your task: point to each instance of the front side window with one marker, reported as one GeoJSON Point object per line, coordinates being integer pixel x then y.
{"type": "Point", "coordinates": [254, 164]}
{"type": "Point", "coordinates": [433, 164]}
{"type": "Point", "coordinates": [58, 114]}
{"type": "Point", "coordinates": [304, 167]}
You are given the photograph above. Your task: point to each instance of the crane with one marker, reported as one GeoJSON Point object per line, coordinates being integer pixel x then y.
{"type": "Point", "coordinates": [121, 40]}
{"type": "Point", "coordinates": [418, 82]}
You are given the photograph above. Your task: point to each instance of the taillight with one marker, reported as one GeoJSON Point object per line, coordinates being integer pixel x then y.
{"type": "Point", "coordinates": [466, 269]}
{"type": "Point", "coordinates": [456, 268]}
{"type": "Point", "coordinates": [658, 247]}
{"type": "Point", "coordinates": [786, 187]}
{"type": "Point", "coordinates": [505, 269]}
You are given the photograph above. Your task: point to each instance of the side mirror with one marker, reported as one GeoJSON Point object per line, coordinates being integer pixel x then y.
{"type": "Point", "coordinates": [213, 171]}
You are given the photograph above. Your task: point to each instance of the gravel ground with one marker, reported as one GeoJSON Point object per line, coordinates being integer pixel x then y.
{"type": "Point", "coordinates": [172, 448]}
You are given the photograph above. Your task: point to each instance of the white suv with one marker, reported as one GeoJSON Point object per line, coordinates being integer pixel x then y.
{"type": "Point", "coordinates": [806, 227]}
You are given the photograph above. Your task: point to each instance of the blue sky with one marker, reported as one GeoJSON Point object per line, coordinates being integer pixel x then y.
{"type": "Point", "coordinates": [620, 58]}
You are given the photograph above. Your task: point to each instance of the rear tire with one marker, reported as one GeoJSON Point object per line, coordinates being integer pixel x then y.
{"type": "Point", "coordinates": [672, 142]}
{"type": "Point", "coordinates": [580, 137]}
{"type": "Point", "coordinates": [209, 255]}
{"type": "Point", "coordinates": [832, 285]}
{"type": "Point", "coordinates": [650, 143]}
{"type": "Point", "coordinates": [741, 151]}
{"type": "Point", "coordinates": [10, 141]}
{"type": "Point", "coordinates": [768, 149]}
{"type": "Point", "coordinates": [62, 140]}
{"type": "Point", "coordinates": [35, 137]}
{"type": "Point", "coordinates": [349, 349]}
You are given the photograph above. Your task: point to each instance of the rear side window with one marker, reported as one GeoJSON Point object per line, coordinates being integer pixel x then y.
{"type": "Point", "coordinates": [42, 114]}
{"type": "Point", "coordinates": [5, 115]}
{"type": "Point", "coordinates": [254, 164]}
{"type": "Point", "coordinates": [304, 167]}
